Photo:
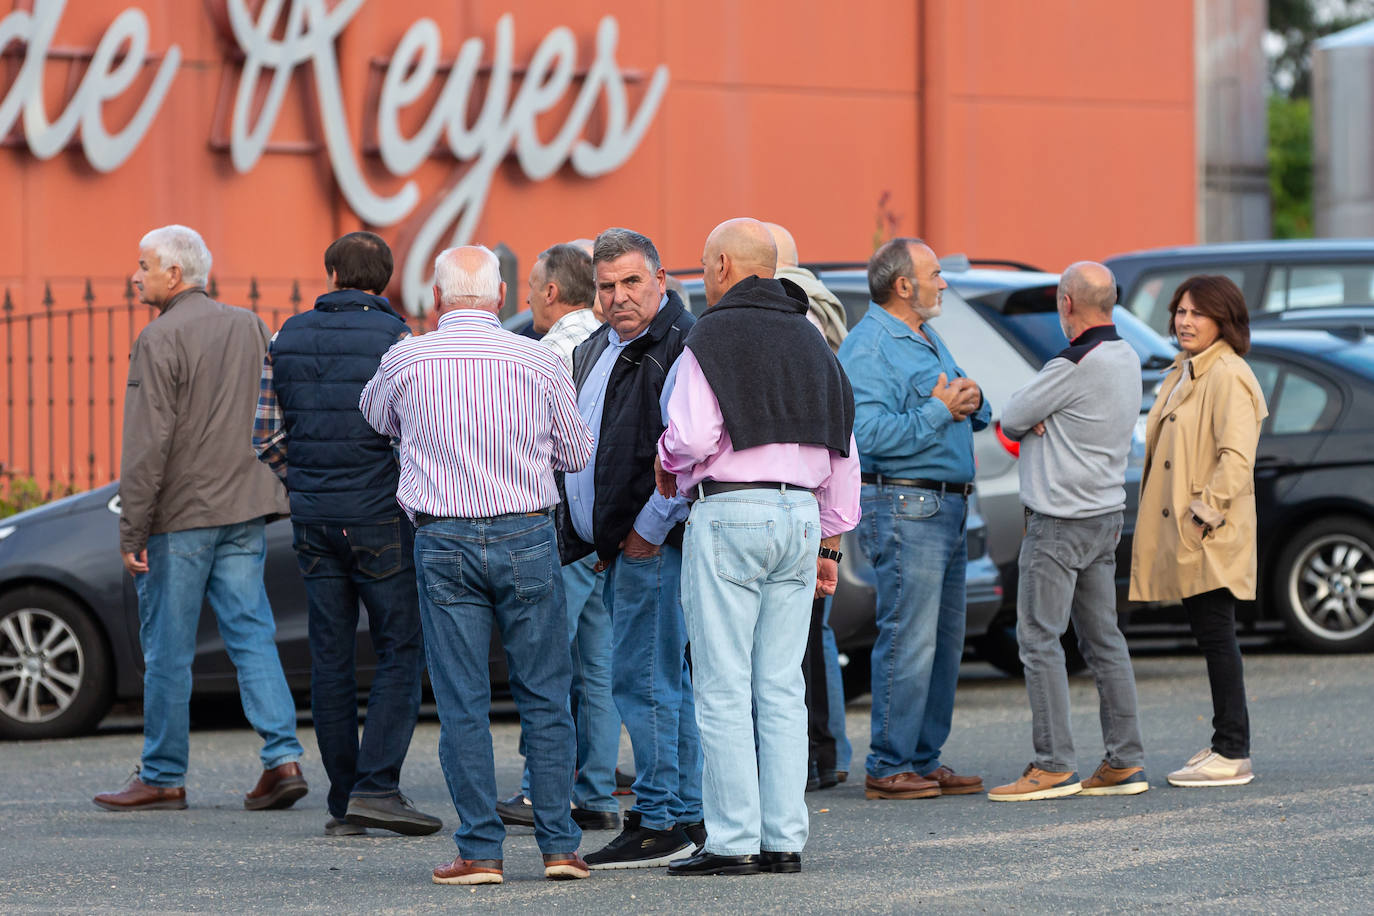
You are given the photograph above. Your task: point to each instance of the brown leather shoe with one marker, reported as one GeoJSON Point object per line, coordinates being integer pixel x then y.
{"type": "Point", "coordinates": [565, 866]}
{"type": "Point", "coordinates": [139, 796]}
{"type": "Point", "coordinates": [470, 871]}
{"type": "Point", "coordinates": [951, 783]}
{"type": "Point", "coordinates": [279, 787]}
{"type": "Point", "coordinates": [901, 785]}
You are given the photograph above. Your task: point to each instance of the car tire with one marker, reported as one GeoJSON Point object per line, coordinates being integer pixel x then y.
{"type": "Point", "coordinates": [56, 675]}
{"type": "Point", "coordinates": [999, 648]}
{"type": "Point", "coordinates": [1323, 585]}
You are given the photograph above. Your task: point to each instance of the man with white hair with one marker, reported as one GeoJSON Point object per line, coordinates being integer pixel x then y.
{"type": "Point", "coordinates": [484, 417]}
{"type": "Point", "coordinates": [195, 501]}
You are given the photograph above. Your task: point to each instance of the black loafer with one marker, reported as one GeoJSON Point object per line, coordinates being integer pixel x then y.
{"type": "Point", "coordinates": [596, 820]}
{"type": "Point", "coordinates": [708, 863]}
{"type": "Point", "coordinates": [780, 863]}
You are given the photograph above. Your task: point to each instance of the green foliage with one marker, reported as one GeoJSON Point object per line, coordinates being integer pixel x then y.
{"type": "Point", "coordinates": [23, 493]}
{"type": "Point", "coordinates": [1290, 166]}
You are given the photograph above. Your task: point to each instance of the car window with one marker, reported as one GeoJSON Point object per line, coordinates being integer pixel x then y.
{"type": "Point", "coordinates": [1298, 402]}
{"type": "Point", "coordinates": [1302, 286]}
{"type": "Point", "coordinates": [1039, 337]}
{"type": "Point", "coordinates": [1149, 301]}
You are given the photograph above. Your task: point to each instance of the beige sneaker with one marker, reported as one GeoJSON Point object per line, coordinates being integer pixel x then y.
{"type": "Point", "coordinates": [1208, 768]}
{"type": "Point", "coordinates": [1035, 784]}
{"type": "Point", "coordinates": [1110, 780]}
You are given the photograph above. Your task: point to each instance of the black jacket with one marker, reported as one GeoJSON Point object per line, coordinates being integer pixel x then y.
{"type": "Point", "coordinates": [339, 470]}
{"type": "Point", "coordinates": [631, 423]}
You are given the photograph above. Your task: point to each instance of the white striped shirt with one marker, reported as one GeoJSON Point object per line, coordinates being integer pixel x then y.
{"type": "Point", "coordinates": [484, 417]}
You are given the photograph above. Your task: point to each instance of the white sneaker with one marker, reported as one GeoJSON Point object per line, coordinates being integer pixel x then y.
{"type": "Point", "coordinates": [1208, 768]}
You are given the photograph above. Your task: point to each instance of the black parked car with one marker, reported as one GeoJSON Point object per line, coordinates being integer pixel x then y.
{"type": "Point", "coordinates": [1276, 277]}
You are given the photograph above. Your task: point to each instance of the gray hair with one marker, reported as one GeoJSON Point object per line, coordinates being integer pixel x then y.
{"type": "Point", "coordinates": [1090, 285]}
{"type": "Point", "coordinates": [457, 280]}
{"type": "Point", "coordinates": [612, 243]}
{"type": "Point", "coordinates": [571, 268]}
{"type": "Point", "coordinates": [180, 246]}
{"type": "Point", "coordinates": [889, 262]}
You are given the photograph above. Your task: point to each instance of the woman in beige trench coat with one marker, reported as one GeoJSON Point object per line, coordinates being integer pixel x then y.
{"type": "Point", "coordinates": [1195, 531]}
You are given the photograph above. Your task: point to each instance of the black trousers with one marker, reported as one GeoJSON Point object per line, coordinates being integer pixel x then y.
{"type": "Point", "coordinates": [822, 743]}
{"type": "Point", "coordinates": [1212, 616]}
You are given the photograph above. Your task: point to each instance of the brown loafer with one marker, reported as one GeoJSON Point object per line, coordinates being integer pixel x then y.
{"type": "Point", "coordinates": [901, 785]}
{"type": "Point", "coordinates": [470, 871]}
{"type": "Point", "coordinates": [565, 867]}
{"type": "Point", "coordinates": [139, 796]}
{"type": "Point", "coordinates": [279, 787]}
{"type": "Point", "coordinates": [951, 783]}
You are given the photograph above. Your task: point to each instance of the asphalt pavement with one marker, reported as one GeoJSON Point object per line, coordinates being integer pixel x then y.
{"type": "Point", "coordinates": [1300, 838]}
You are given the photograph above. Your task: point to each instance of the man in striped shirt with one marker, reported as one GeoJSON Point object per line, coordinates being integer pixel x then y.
{"type": "Point", "coordinates": [484, 417]}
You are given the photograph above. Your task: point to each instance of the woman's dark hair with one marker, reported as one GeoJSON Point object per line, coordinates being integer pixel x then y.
{"type": "Point", "coordinates": [1218, 298]}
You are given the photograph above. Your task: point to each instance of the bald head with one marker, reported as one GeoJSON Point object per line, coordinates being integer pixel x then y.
{"type": "Point", "coordinates": [736, 249]}
{"type": "Point", "coordinates": [468, 278]}
{"type": "Point", "coordinates": [787, 246]}
{"type": "Point", "coordinates": [1091, 286]}
{"type": "Point", "coordinates": [1087, 293]}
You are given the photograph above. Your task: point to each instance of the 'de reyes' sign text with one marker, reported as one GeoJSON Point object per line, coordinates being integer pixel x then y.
{"type": "Point", "coordinates": [284, 35]}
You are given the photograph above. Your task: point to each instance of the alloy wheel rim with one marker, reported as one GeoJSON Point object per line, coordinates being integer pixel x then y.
{"type": "Point", "coordinates": [1332, 587]}
{"type": "Point", "coordinates": [41, 665]}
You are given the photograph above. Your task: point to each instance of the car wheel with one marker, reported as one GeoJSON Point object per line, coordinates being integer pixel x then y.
{"type": "Point", "coordinates": [999, 648]}
{"type": "Point", "coordinates": [55, 670]}
{"type": "Point", "coordinates": [1324, 585]}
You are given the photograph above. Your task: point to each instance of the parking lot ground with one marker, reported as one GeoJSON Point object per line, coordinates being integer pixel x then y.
{"type": "Point", "coordinates": [1298, 839]}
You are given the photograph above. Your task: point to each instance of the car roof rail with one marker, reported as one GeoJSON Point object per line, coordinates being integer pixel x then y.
{"type": "Point", "coordinates": [1003, 262]}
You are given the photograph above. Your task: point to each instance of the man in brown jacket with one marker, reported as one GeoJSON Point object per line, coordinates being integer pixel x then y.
{"type": "Point", "coordinates": [194, 504]}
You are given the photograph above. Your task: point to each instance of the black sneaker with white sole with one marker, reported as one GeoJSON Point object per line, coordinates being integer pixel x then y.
{"type": "Point", "coordinates": [638, 846]}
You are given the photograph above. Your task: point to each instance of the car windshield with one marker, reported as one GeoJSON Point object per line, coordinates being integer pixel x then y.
{"type": "Point", "coordinates": [1039, 334]}
{"type": "Point", "coordinates": [1358, 358]}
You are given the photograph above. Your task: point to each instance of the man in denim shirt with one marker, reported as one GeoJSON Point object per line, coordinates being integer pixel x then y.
{"type": "Point", "coordinates": [915, 414]}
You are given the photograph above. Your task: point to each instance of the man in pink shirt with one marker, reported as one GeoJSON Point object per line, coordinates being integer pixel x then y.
{"type": "Point", "coordinates": [760, 434]}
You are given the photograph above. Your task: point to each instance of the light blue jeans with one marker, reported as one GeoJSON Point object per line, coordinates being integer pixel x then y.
{"type": "Point", "coordinates": [593, 708]}
{"type": "Point", "coordinates": [221, 565]}
{"type": "Point", "coordinates": [748, 578]}
{"type": "Point", "coordinates": [653, 687]}
{"type": "Point", "coordinates": [917, 542]}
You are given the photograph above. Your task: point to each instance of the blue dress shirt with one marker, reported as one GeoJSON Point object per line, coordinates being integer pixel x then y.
{"type": "Point", "coordinates": [901, 430]}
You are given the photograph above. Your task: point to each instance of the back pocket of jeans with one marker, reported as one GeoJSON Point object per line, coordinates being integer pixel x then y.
{"type": "Point", "coordinates": [443, 571]}
{"type": "Point", "coordinates": [533, 570]}
{"type": "Point", "coordinates": [744, 550]}
{"type": "Point", "coordinates": [377, 549]}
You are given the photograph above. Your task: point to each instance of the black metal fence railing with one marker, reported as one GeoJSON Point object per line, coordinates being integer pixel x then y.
{"type": "Point", "coordinates": [64, 374]}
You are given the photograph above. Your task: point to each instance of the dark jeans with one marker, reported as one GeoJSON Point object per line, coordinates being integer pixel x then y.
{"type": "Point", "coordinates": [1212, 615]}
{"type": "Point", "coordinates": [476, 574]}
{"type": "Point", "coordinates": [374, 563]}
{"type": "Point", "coordinates": [820, 741]}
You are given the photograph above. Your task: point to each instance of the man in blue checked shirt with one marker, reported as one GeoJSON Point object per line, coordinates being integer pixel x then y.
{"type": "Point", "coordinates": [914, 417]}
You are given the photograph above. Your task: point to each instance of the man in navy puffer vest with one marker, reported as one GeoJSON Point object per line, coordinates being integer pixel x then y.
{"type": "Point", "coordinates": [352, 538]}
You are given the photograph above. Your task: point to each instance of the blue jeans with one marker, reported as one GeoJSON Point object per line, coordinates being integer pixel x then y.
{"type": "Point", "coordinates": [748, 578]}
{"type": "Point", "coordinates": [502, 570]}
{"type": "Point", "coordinates": [834, 686]}
{"type": "Point", "coordinates": [653, 687]}
{"type": "Point", "coordinates": [373, 563]}
{"type": "Point", "coordinates": [221, 565]}
{"type": "Point", "coordinates": [916, 541]}
{"type": "Point", "coordinates": [593, 708]}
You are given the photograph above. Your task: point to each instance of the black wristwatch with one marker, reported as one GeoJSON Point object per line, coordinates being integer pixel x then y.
{"type": "Point", "coordinates": [827, 553]}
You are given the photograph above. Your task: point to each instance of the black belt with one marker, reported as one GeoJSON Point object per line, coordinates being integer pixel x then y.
{"type": "Point", "coordinates": [422, 519]}
{"type": "Point", "coordinates": [712, 487]}
{"type": "Point", "coordinates": [920, 483]}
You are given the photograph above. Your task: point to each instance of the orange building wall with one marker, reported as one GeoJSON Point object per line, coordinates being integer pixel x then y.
{"type": "Point", "coordinates": [1035, 132]}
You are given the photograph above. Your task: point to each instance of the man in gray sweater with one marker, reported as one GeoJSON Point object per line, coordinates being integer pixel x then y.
{"type": "Point", "coordinates": [1074, 421]}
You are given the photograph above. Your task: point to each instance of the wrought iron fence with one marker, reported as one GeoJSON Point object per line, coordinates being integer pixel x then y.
{"type": "Point", "coordinates": [64, 376]}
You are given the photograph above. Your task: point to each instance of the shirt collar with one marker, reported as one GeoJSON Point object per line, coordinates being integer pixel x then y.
{"type": "Point", "coordinates": [1096, 334]}
{"type": "Point", "coordinates": [895, 327]}
{"type": "Point", "coordinates": [468, 318]}
{"type": "Point", "coordinates": [1198, 365]}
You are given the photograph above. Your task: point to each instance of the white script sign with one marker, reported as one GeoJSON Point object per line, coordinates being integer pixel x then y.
{"type": "Point", "coordinates": [506, 122]}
